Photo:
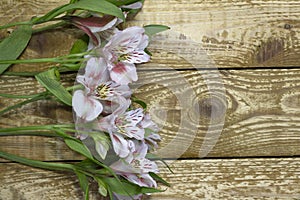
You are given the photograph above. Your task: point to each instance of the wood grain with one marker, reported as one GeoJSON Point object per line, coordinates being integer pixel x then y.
{"type": "Point", "coordinates": [226, 113]}
{"type": "Point", "coordinates": [234, 33]}
{"type": "Point", "coordinates": [211, 179]}
{"type": "Point", "coordinates": [230, 33]}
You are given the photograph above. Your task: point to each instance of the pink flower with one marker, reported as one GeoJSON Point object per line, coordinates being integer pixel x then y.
{"type": "Point", "coordinates": [94, 25]}
{"type": "Point", "coordinates": [123, 50]}
{"type": "Point", "coordinates": [124, 123]}
{"type": "Point", "coordinates": [85, 106]}
{"type": "Point", "coordinates": [87, 103]}
{"type": "Point", "coordinates": [151, 129]}
{"type": "Point", "coordinates": [135, 167]}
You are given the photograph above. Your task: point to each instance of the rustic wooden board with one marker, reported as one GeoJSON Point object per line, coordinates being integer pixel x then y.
{"type": "Point", "coordinates": [232, 33]}
{"type": "Point", "coordinates": [261, 107]}
{"type": "Point", "coordinates": [257, 113]}
{"type": "Point", "coordinates": [211, 179]}
{"type": "Point", "coordinates": [235, 33]}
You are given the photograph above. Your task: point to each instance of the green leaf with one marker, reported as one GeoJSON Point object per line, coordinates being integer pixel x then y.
{"type": "Point", "coordinates": [36, 163]}
{"type": "Point", "coordinates": [140, 102]}
{"type": "Point", "coordinates": [49, 80]}
{"type": "Point", "coordinates": [122, 2]}
{"type": "Point", "coordinates": [153, 29]}
{"type": "Point", "coordinates": [88, 164]}
{"type": "Point", "coordinates": [100, 6]}
{"type": "Point", "coordinates": [102, 188]}
{"type": "Point", "coordinates": [158, 178]}
{"type": "Point", "coordinates": [79, 147]}
{"type": "Point", "coordinates": [127, 188]}
{"type": "Point", "coordinates": [80, 45]}
{"type": "Point", "coordinates": [153, 156]}
{"type": "Point", "coordinates": [84, 183]}
{"type": "Point", "coordinates": [12, 46]}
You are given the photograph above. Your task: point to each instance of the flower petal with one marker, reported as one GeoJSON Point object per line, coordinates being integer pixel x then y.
{"type": "Point", "coordinates": [134, 132]}
{"type": "Point", "coordinates": [136, 5]}
{"type": "Point", "coordinates": [143, 180]}
{"type": "Point", "coordinates": [123, 73]}
{"type": "Point", "coordinates": [101, 147]}
{"type": "Point", "coordinates": [96, 72]}
{"type": "Point", "coordinates": [120, 145]}
{"type": "Point", "coordinates": [127, 40]}
{"type": "Point", "coordinates": [137, 57]}
{"type": "Point", "coordinates": [86, 107]}
{"type": "Point", "coordinates": [134, 116]}
{"type": "Point", "coordinates": [123, 167]}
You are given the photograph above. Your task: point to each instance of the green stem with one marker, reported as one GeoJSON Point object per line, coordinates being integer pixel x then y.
{"type": "Point", "coordinates": [37, 128]}
{"type": "Point", "coordinates": [75, 87]}
{"type": "Point", "coordinates": [49, 27]}
{"type": "Point", "coordinates": [21, 96]}
{"type": "Point", "coordinates": [29, 133]}
{"type": "Point", "coordinates": [18, 105]}
{"type": "Point", "coordinates": [25, 74]}
{"type": "Point", "coordinates": [15, 24]}
{"type": "Point", "coordinates": [71, 58]}
{"type": "Point", "coordinates": [41, 60]}
{"type": "Point", "coordinates": [36, 163]}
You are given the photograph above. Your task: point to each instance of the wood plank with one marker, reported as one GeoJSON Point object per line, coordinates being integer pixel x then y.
{"type": "Point", "coordinates": [235, 33]}
{"type": "Point", "coordinates": [230, 33]}
{"type": "Point", "coordinates": [257, 113]}
{"type": "Point", "coordinates": [192, 179]}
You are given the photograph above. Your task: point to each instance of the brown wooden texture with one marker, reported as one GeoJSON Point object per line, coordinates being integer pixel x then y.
{"type": "Point", "coordinates": [226, 113]}
{"type": "Point", "coordinates": [192, 179]}
{"type": "Point", "coordinates": [235, 33]}
{"type": "Point", "coordinates": [258, 107]}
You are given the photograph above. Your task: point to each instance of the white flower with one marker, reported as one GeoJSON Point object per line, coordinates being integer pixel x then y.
{"type": "Point", "coordinates": [123, 50]}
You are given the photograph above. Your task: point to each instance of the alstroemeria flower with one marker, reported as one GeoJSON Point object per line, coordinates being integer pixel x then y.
{"type": "Point", "coordinates": [93, 25]}
{"type": "Point", "coordinates": [136, 167]}
{"type": "Point", "coordinates": [87, 103]}
{"type": "Point", "coordinates": [85, 106]}
{"type": "Point", "coordinates": [123, 50]}
{"type": "Point", "coordinates": [151, 129]}
{"type": "Point", "coordinates": [124, 123]}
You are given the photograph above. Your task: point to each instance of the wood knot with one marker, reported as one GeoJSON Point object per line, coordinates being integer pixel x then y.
{"type": "Point", "coordinates": [268, 50]}
{"type": "Point", "coordinates": [288, 26]}
{"type": "Point", "coordinates": [209, 110]}
{"type": "Point", "coordinates": [290, 102]}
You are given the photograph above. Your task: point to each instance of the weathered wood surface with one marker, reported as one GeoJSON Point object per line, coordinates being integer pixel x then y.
{"type": "Point", "coordinates": [192, 179]}
{"type": "Point", "coordinates": [260, 106]}
{"type": "Point", "coordinates": [257, 113]}
{"type": "Point", "coordinates": [234, 33]}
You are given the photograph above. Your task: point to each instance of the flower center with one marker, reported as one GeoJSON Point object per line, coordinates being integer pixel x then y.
{"type": "Point", "coordinates": [121, 124]}
{"type": "Point", "coordinates": [102, 90]}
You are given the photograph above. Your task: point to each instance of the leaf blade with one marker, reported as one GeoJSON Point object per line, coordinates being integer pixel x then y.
{"type": "Point", "coordinates": [100, 6]}
{"type": "Point", "coordinates": [84, 183]}
{"type": "Point", "coordinates": [12, 46]}
{"type": "Point", "coordinates": [153, 29]}
{"type": "Point", "coordinates": [48, 80]}
{"type": "Point", "coordinates": [79, 147]}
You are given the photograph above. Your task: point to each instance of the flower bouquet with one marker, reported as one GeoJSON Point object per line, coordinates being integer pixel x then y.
{"type": "Point", "coordinates": [112, 128]}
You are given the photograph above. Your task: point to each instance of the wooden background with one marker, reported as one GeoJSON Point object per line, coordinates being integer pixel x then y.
{"type": "Point", "coordinates": [252, 101]}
